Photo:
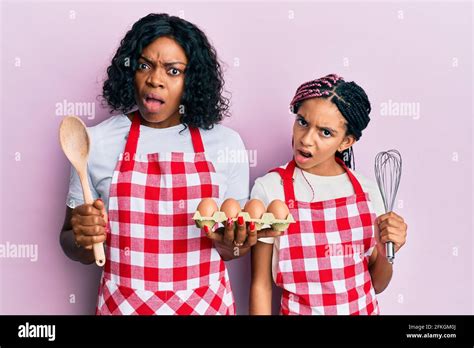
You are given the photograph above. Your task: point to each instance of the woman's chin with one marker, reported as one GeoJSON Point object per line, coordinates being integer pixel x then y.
{"type": "Point", "coordinates": [160, 118]}
{"type": "Point", "coordinates": [152, 117]}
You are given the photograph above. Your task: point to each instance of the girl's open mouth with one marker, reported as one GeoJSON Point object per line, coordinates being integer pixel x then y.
{"type": "Point", "coordinates": [305, 154]}
{"type": "Point", "coordinates": [302, 156]}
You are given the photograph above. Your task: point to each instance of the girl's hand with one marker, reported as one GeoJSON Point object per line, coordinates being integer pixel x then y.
{"type": "Point", "coordinates": [89, 222]}
{"type": "Point", "coordinates": [392, 229]}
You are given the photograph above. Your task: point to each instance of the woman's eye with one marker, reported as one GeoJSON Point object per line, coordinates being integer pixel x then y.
{"type": "Point", "coordinates": [326, 133]}
{"type": "Point", "coordinates": [301, 122]}
{"type": "Point", "coordinates": [142, 66]}
{"type": "Point", "coordinates": [174, 72]}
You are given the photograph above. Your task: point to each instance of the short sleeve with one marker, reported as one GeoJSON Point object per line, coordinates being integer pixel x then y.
{"type": "Point", "coordinates": [375, 197]}
{"type": "Point", "coordinates": [238, 174]}
{"type": "Point", "coordinates": [378, 206]}
{"type": "Point", "coordinates": [377, 202]}
{"type": "Point", "coordinates": [258, 192]}
{"type": "Point", "coordinates": [74, 195]}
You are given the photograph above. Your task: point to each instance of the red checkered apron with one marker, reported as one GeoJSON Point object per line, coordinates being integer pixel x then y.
{"type": "Point", "coordinates": [158, 261]}
{"type": "Point", "coordinates": [323, 257]}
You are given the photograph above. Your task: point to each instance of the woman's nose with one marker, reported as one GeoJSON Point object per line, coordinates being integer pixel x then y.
{"type": "Point", "coordinates": [156, 79]}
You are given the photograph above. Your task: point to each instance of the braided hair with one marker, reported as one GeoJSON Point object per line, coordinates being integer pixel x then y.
{"type": "Point", "coordinates": [350, 99]}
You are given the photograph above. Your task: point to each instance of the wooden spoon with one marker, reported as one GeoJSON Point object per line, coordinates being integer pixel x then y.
{"type": "Point", "coordinates": [75, 143]}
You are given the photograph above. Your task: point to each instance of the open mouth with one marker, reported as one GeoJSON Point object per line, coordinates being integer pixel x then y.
{"type": "Point", "coordinates": [153, 99]}
{"type": "Point", "coordinates": [305, 154]}
{"type": "Point", "coordinates": [153, 103]}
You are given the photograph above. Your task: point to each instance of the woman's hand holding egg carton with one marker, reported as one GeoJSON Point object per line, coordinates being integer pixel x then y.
{"type": "Point", "coordinates": [277, 215]}
{"type": "Point", "coordinates": [250, 221]}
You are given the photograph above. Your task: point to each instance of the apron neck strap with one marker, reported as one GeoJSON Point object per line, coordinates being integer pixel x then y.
{"type": "Point", "coordinates": [131, 145]}
{"type": "Point", "coordinates": [355, 183]}
{"type": "Point", "coordinates": [132, 141]}
{"type": "Point", "coordinates": [196, 139]}
{"type": "Point", "coordinates": [134, 134]}
{"type": "Point", "coordinates": [288, 185]}
{"type": "Point", "coordinates": [286, 175]}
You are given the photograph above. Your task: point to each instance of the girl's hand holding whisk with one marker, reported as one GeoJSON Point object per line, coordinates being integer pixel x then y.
{"type": "Point", "coordinates": [392, 228]}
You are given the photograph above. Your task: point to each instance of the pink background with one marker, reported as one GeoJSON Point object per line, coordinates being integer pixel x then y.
{"type": "Point", "coordinates": [405, 52]}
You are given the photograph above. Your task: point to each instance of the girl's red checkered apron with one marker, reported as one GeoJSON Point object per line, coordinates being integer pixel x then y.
{"type": "Point", "coordinates": [158, 261]}
{"type": "Point", "coordinates": [323, 257]}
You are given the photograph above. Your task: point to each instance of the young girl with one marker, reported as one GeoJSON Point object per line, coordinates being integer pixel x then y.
{"type": "Point", "coordinates": [149, 167]}
{"type": "Point", "coordinates": [332, 260]}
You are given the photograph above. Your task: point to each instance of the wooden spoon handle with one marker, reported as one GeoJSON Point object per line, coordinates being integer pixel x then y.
{"type": "Point", "coordinates": [99, 254]}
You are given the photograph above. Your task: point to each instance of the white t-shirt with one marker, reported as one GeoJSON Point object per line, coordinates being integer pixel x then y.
{"type": "Point", "coordinates": [269, 187]}
{"type": "Point", "coordinates": [108, 140]}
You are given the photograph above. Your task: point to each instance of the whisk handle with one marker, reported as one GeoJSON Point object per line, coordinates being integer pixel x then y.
{"type": "Point", "coordinates": [390, 251]}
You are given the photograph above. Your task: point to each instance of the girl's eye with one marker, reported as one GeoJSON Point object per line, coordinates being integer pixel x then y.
{"type": "Point", "coordinates": [301, 122]}
{"type": "Point", "coordinates": [143, 66]}
{"type": "Point", "coordinates": [326, 133]}
{"type": "Point", "coordinates": [174, 72]}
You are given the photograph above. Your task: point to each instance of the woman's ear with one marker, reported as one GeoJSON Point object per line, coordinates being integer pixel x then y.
{"type": "Point", "coordinates": [348, 141]}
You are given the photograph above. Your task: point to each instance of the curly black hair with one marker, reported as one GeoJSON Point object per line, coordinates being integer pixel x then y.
{"type": "Point", "coordinates": [203, 99]}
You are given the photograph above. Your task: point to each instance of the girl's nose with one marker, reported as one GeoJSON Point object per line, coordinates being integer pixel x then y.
{"type": "Point", "coordinates": [307, 139]}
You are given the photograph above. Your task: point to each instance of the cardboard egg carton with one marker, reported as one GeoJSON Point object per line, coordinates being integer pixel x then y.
{"type": "Point", "coordinates": [209, 221]}
{"type": "Point", "coordinates": [266, 219]}
{"type": "Point", "coordinates": [269, 219]}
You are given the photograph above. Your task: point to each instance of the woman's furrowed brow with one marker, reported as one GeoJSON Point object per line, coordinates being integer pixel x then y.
{"type": "Point", "coordinates": [146, 59]}
{"type": "Point", "coordinates": [151, 61]}
{"type": "Point", "coordinates": [172, 63]}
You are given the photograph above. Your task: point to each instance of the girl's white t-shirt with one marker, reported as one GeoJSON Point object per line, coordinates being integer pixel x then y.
{"type": "Point", "coordinates": [269, 187]}
{"type": "Point", "coordinates": [222, 145]}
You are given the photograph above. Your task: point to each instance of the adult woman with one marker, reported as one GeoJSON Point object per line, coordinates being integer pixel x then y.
{"type": "Point", "coordinates": [158, 262]}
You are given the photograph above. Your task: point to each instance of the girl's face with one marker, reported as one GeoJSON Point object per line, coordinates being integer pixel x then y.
{"type": "Point", "coordinates": [318, 132]}
{"type": "Point", "coordinates": [159, 82]}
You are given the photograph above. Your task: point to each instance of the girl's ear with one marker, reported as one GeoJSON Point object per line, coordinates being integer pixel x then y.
{"type": "Point", "coordinates": [348, 141]}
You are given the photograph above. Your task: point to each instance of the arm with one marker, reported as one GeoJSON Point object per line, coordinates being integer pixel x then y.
{"type": "Point", "coordinates": [380, 271]}
{"type": "Point", "coordinates": [261, 282]}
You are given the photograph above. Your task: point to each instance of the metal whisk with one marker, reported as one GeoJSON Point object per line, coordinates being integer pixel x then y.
{"type": "Point", "coordinates": [388, 171]}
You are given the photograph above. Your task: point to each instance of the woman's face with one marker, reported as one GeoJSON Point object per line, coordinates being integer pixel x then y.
{"type": "Point", "coordinates": [159, 82]}
{"type": "Point", "coordinates": [318, 132]}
